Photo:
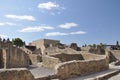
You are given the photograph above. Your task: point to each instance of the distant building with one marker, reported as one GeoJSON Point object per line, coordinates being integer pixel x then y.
{"type": "Point", "coordinates": [44, 43]}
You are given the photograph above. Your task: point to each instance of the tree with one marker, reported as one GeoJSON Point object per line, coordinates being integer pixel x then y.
{"type": "Point", "coordinates": [17, 42]}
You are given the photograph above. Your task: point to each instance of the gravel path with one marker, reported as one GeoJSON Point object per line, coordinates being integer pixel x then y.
{"type": "Point", "coordinates": [40, 71]}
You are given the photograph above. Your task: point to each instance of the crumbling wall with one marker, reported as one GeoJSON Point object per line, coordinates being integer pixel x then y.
{"type": "Point", "coordinates": [75, 47]}
{"type": "Point", "coordinates": [48, 42]}
{"type": "Point", "coordinates": [37, 51]}
{"type": "Point", "coordinates": [44, 43]}
{"type": "Point", "coordinates": [50, 62]}
{"type": "Point", "coordinates": [90, 56]}
{"type": "Point", "coordinates": [73, 68]}
{"type": "Point", "coordinates": [87, 48]}
{"type": "Point", "coordinates": [39, 44]}
{"type": "Point", "coordinates": [56, 50]}
{"type": "Point", "coordinates": [15, 74]}
{"type": "Point", "coordinates": [12, 57]}
{"type": "Point", "coordinates": [112, 57]}
{"type": "Point", "coordinates": [97, 50]}
{"type": "Point", "coordinates": [15, 58]}
{"type": "Point", "coordinates": [68, 57]}
{"type": "Point", "coordinates": [34, 58]}
{"type": "Point", "coordinates": [116, 53]}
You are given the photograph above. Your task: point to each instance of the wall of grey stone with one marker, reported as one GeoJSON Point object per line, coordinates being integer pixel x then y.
{"type": "Point", "coordinates": [73, 68]}
{"type": "Point", "coordinates": [15, 74]}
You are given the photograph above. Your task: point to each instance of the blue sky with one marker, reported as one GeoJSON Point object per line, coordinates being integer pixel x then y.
{"type": "Point", "coordinates": [80, 21]}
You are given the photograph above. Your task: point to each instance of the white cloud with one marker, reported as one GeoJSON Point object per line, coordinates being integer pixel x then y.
{"type": "Point", "coordinates": [24, 17]}
{"type": "Point", "coordinates": [7, 23]}
{"type": "Point", "coordinates": [36, 29]}
{"type": "Point", "coordinates": [64, 34]}
{"type": "Point", "coordinates": [51, 8]}
{"type": "Point", "coordinates": [56, 34]}
{"type": "Point", "coordinates": [68, 25]}
{"type": "Point", "coordinates": [31, 29]}
{"type": "Point", "coordinates": [78, 32]}
{"type": "Point", "coordinates": [48, 5]}
{"type": "Point", "coordinates": [3, 36]}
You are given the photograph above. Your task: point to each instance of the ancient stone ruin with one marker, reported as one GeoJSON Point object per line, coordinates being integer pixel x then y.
{"type": "Point", "coordinates": [44, 43]}
{"type": "Point", "coordinates": [12, 57]}
{"type": "Point", "coordinates": [68, 65]}
{"type": "Point", "coordinates": [65, 60]}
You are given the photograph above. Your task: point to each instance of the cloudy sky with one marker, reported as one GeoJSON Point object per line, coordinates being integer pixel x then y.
{"type": "Point", "coordinates": [80, 21]}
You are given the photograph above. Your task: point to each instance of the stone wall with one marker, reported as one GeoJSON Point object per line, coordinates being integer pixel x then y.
{"type": "Point", "coordinates": [68, 57]}
{"type": "Point", "coordinates": [15, 57]}
{"type": "Point", "coordinates": [37, 51]}
{"type": "Point", "coordinates": [68, 65]}
{"type": "Point", "coordinates": [26, 50]}
{"type": "Point", "coordinates": [87, 48]}
{"type": "Point", "coordinates": [34, 58]}
{"type": "Point", "coordinates": [73, 68]}
{"type": "Point", "coordinates": [44, 43]}
{"type": "Point", "coordinates": [97, 50]}
{"type": "Point", "coordinates": [50, 62]}
{"type": "Point", "coordinates": [116, 53]}
{"type": "Point", "coordinates": [12, 56]}
{"type": "Point", "coordinates": [15, 74]}
{"type": "Point", "coordinates": [39, 44]}
{"type": "Point", "coordinates": [48, 42]}
{"type": "Point", "coordinates": [56, 50]}
{"type": "Point", "coordinates": [90, 56]}
{"type": "Point", "coordinates": [75, 47]}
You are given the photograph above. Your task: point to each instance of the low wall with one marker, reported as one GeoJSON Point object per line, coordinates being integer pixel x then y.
{"type": "Point", "coordinates": [72, 68]}
{"type": "Point", "coordinates": [90, 56]}
{"type": "Point", "coordinates": [52, 60]}
{"type": "Point", "coordinates": [15, 74]}
{"type": "Point", "coordinates": [68, 57]}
